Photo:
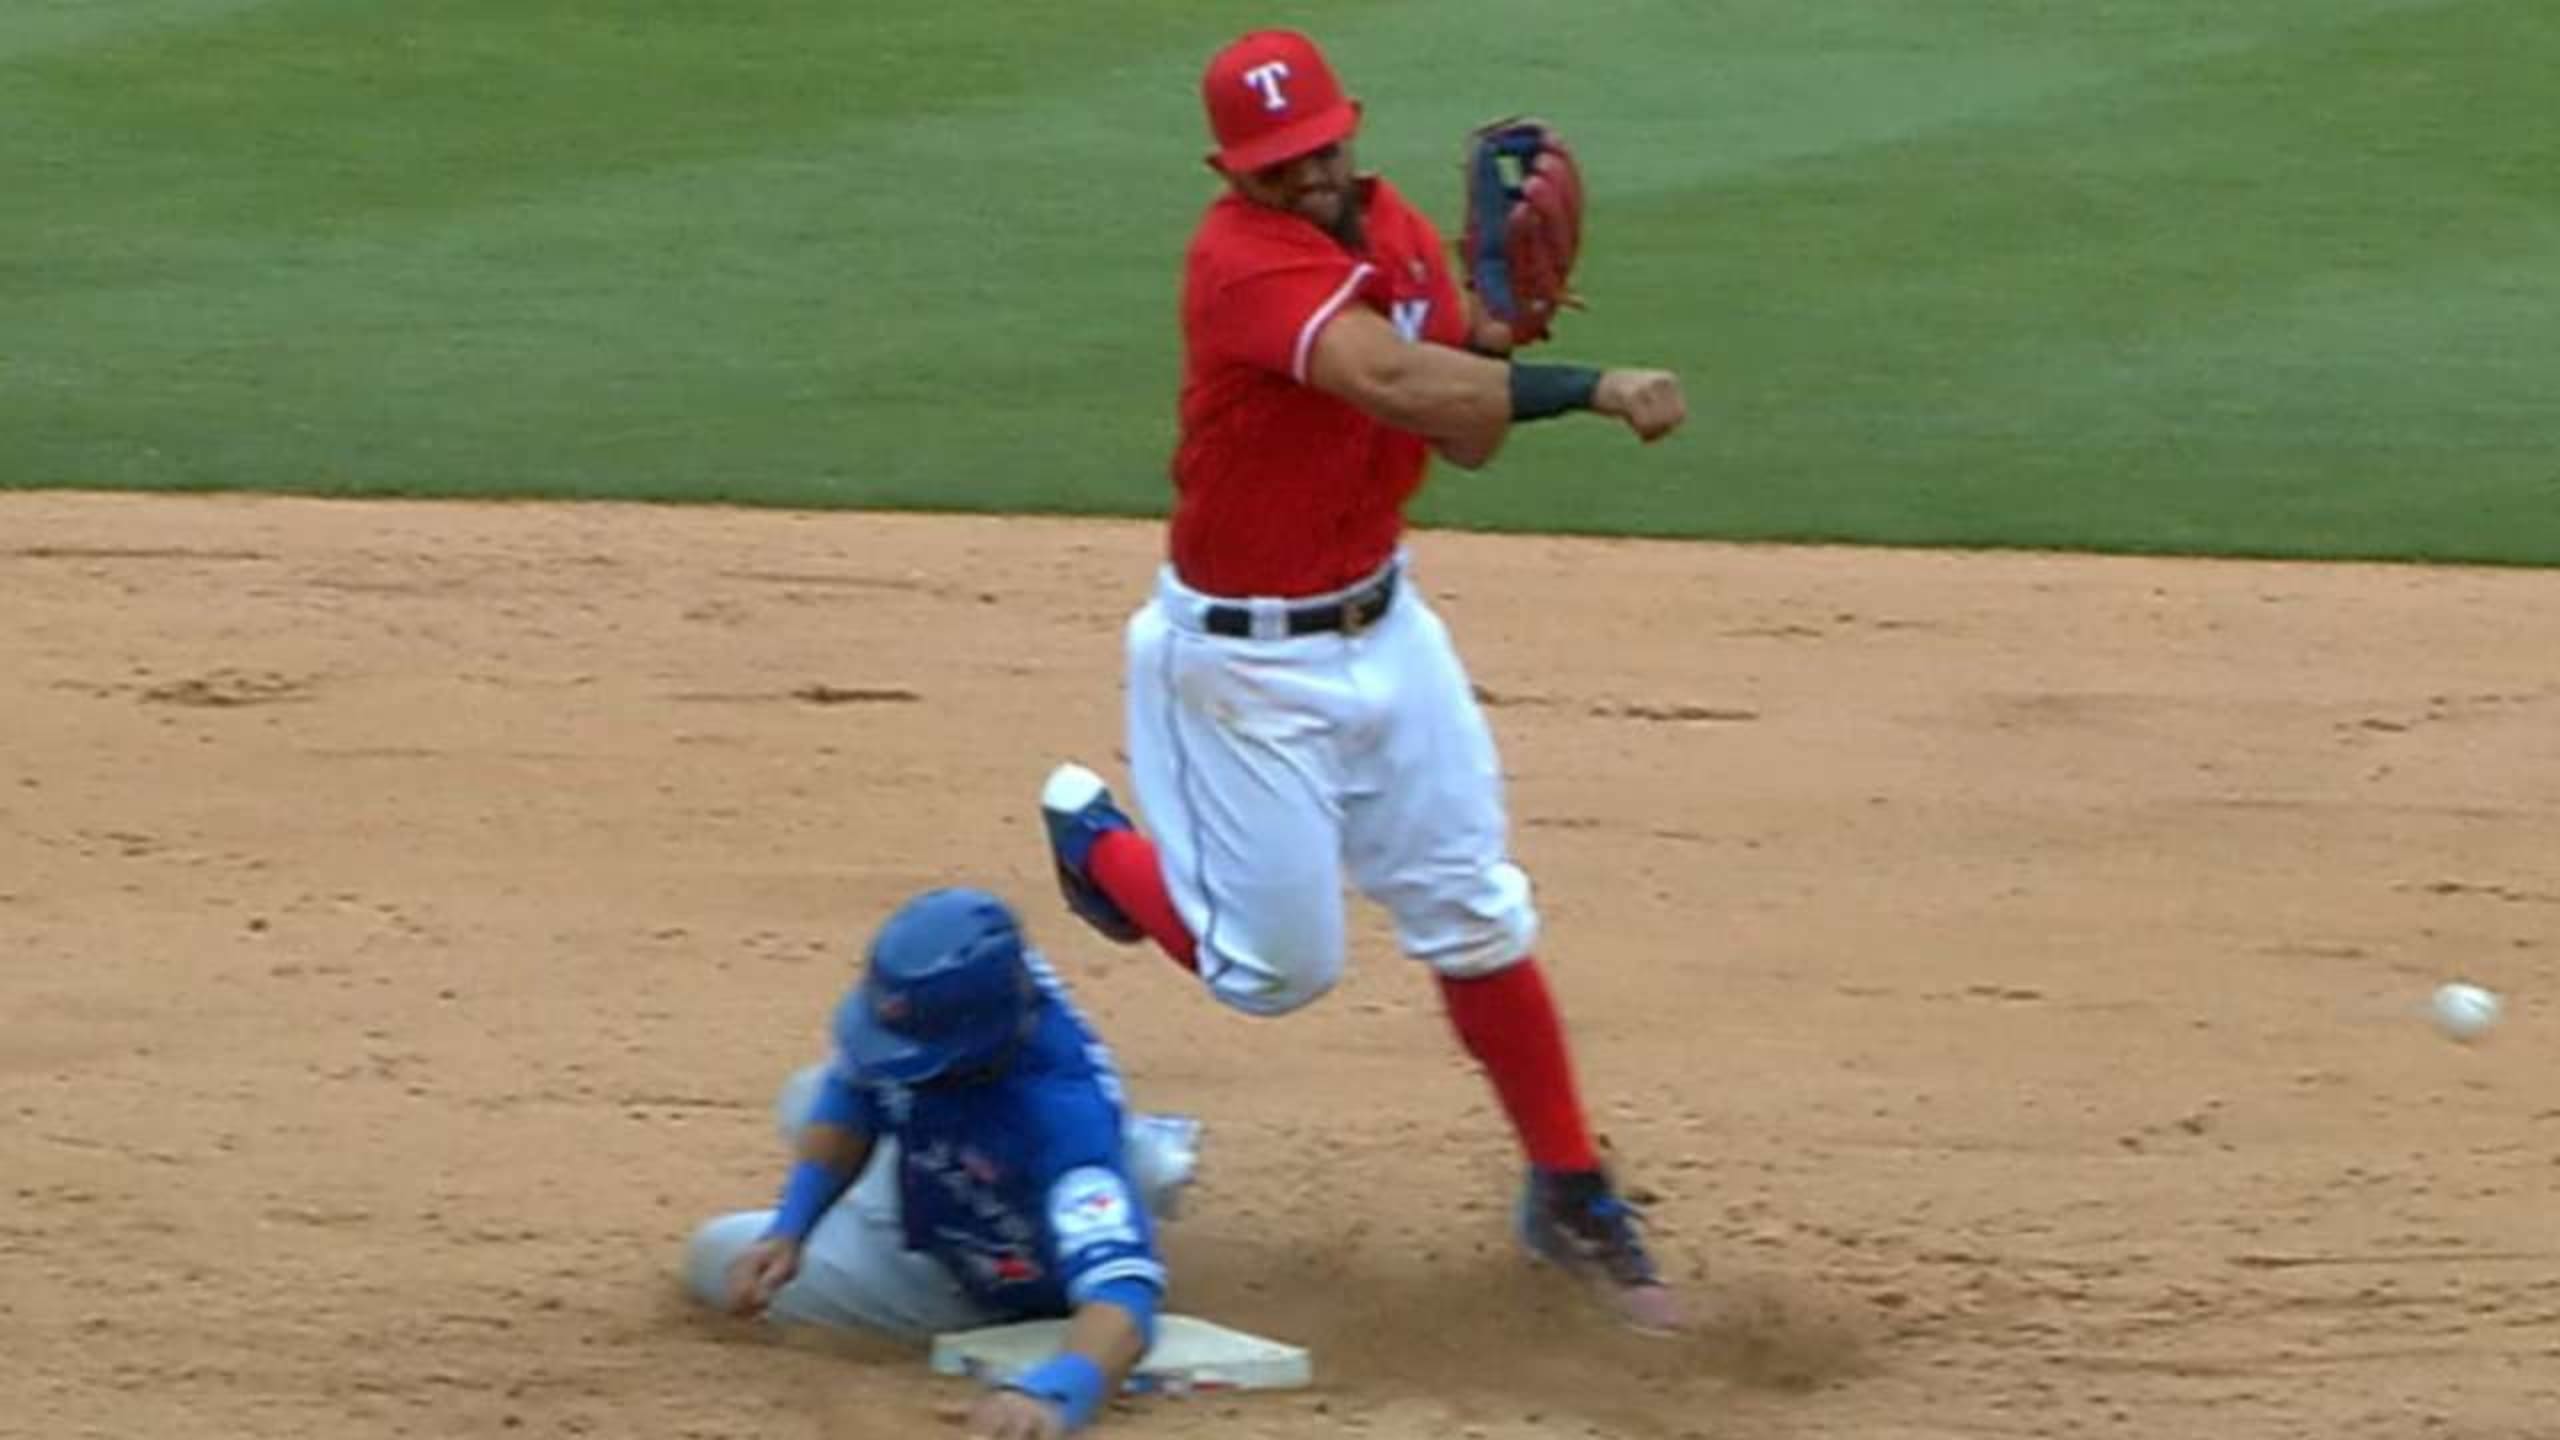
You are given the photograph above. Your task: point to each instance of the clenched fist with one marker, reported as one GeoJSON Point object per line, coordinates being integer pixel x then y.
{"type": "Point", "coordinates": [1648, 400]}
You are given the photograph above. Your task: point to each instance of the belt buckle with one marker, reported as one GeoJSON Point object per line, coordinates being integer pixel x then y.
{"type": "Point", "coordinates": [1352, 622]}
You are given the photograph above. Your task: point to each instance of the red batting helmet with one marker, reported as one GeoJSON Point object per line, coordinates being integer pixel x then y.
{"type": "Point", "coordinates": [1271, 97]}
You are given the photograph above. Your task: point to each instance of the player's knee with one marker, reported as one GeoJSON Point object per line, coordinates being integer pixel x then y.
{"type": "Point", "coordinates": [1474, 931]}
{"type": "Point", "coordinates": [1270, 997]}
{"type": "Point", "coordinates": [1258, 986]}
{"type": "Point", "coordinates": [715, 1246]}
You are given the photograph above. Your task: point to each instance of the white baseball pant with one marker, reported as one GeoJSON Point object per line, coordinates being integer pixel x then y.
{"type": "Point", "coordinates": [1268, 768]}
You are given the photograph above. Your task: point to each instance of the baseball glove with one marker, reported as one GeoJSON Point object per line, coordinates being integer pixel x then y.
{"type": "Point", "coordinates": [1524, 223]}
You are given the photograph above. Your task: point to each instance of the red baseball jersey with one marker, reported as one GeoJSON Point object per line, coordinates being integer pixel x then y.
{"type": "Point", "coordinates": [1282, 489]}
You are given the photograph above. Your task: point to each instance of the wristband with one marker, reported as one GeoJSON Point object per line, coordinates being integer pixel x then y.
{"type": "Point", "coordinates": [1068, 1380]}
{"type": "Point", "coordinates": [1541, 391]}
{"type": "Point", "coordinates": [811, 1188]}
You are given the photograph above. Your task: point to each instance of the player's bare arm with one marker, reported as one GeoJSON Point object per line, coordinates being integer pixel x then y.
{"type": "Point", "coordinates": [1464, 403]}
{"type": "Point", "coordinates": [762, 1269]}
{"type": "Point", "coordinates": [1459, 402]}
{"type": "Point", "coordinates": [1110, 1337]}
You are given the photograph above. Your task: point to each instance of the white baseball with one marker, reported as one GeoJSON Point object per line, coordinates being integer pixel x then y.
{"type": "Point", "coordinates": [2465, 1011]}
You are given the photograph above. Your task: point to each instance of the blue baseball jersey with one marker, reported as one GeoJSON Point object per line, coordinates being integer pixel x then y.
{"type": "Point", "coordinates": [1017, 1184]}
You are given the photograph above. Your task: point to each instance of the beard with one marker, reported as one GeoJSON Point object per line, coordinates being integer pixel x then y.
{"type": "Point", "coordinates": [1346, 226]}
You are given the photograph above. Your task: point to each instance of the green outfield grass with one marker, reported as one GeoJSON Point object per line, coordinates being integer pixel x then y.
{"type": "Point", "coordinates": [2277, 277]}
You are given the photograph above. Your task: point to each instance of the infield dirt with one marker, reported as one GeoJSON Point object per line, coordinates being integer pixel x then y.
{"type": "Point", "coordinates": [2005, 973]}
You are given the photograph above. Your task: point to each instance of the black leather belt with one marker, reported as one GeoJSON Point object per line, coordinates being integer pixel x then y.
{"type": "Point", "coordinates": [1349, 614]}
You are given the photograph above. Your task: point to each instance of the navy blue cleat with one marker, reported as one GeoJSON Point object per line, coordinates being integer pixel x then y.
{"type": "Point", "coordinates": [1079, 811]}
{"type": "Point", "coordinates": [1575, 1221]}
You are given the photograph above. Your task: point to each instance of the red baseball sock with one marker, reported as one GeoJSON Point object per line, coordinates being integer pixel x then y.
{"type": "Point", "coordinates": [1122, 865]}
{"type": "Point", "coordinates": [1508, 1021]}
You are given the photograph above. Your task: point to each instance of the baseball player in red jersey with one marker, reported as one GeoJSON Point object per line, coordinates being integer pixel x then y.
{"type": "Point", "coordinates": [1296, 710]}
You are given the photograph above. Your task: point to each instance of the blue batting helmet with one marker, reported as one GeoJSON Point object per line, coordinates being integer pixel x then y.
{"type": "Point", "coordinates": [947, 990]}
